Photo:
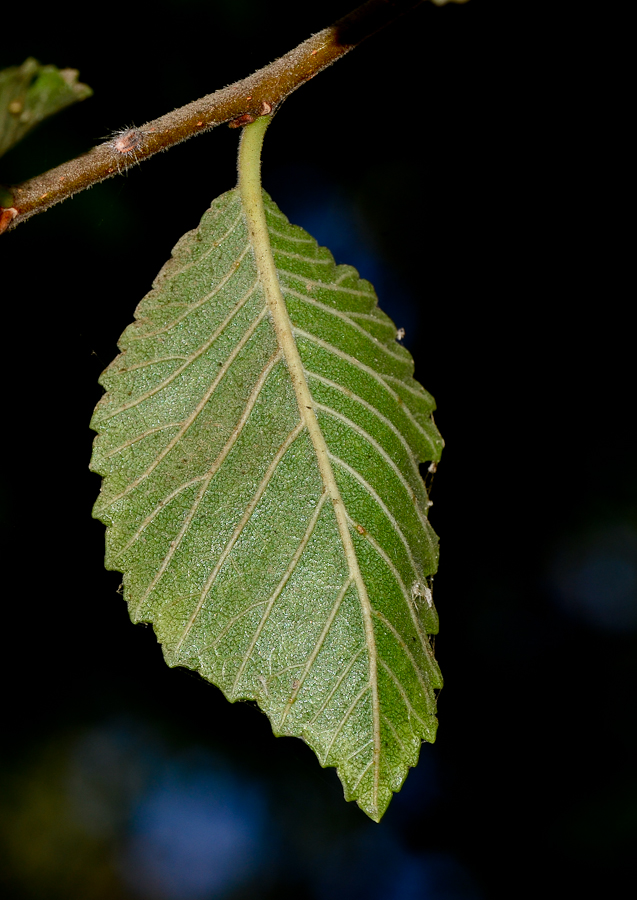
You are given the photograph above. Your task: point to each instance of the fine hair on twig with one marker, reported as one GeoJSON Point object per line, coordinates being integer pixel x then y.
{"type": "Point", "coordinates": [126, 142]}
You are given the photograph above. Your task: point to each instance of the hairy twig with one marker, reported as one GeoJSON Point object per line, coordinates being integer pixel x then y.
{"type": "Point", "coordinates": [240, 103]}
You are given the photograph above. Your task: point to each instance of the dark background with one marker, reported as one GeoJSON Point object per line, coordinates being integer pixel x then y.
{"type": "Point", "coordinates": [454, 160]}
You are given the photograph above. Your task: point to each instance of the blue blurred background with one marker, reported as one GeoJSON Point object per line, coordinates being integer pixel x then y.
{"type": "Point", "coordinates": [450, 160]}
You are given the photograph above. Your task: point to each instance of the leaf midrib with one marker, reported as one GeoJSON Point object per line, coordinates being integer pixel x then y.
{"type": "Point", "coordinates": [252, 203]}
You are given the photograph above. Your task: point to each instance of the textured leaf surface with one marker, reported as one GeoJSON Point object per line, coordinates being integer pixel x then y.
{"type": "Point", "coordinates": [30, 93]}
{"type": "Point", "coordinates": [293, 576]}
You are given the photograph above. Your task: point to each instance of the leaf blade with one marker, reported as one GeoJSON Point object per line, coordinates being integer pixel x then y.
{"type": "Point", "coordinates": [31, 93]}
{"type": "Point", "coordinates": [261, 576]}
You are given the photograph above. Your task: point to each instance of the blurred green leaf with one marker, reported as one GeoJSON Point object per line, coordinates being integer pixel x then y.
{"type": "Point", "coordinates": [30, 93]}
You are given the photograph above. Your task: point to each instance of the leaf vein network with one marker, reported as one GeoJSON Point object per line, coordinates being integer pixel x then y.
{"type": "Point", "coordinates": [377, 447]}
{"type": "Point", "coordinates": [174, 545]}
{"type": "Point", "coordinates": [241, 525]}
{"type": "Point", "coordinates": [189, 360]}
{"type": "Point", "coordinates": [381, 503]}
{"type": "Point", "coordinates": [362, 775]}
{"type": "Point", "coordinates": [280, 587]}
{"type": "Point", "coordinates": [328, 286]}
{"type": "Point", "coordinates": [378, 615]}
{"type": "Point", "coordinates": [338, 729]}
{"type": "Point", "coordinates": [135, 336]}
{"type": "Point", "coordinates": [372, 409]}
{"type": "Point", "coordinates": [313, 260]}
{"type": "Point", "coordinates": [291, 237]}
{"type": "Point", "coordinates": [317, 647]}
{"type": "Point", "coordinates": [406, 594]}
{"type": "Point", "coordinates": [339, 314]}
{"type": "Point", "coordinates": [330, 348]}
{"type": "Point", "coordinates": [343, 675]}
{"type": "Point", "coordinates": [198, 409]}
{"type": "Point", "coordinates": [402, 692]}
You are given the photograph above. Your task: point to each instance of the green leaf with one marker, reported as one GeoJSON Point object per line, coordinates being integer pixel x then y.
{"type": "Point", "coordinates": [260, 440]}
{"type": "Point", "coordinates": [30, 93]}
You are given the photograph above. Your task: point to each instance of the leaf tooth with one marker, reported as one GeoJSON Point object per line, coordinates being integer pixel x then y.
{"type": "Point", "coordinates": [425, 403]}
